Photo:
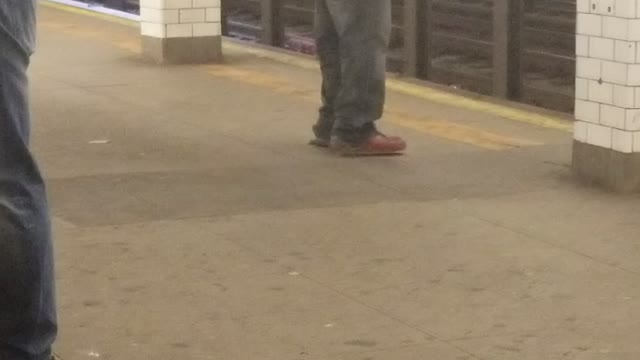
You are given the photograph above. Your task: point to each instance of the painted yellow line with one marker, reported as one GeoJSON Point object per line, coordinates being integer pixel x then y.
{"type": "Point", "coordinates": [85, 12]}
{"type": "Point", "coordinates": [443, 97]}
{"type": "Point", "coordinates": [425, 93]}
{"type": "Point", "coordinates": [122, 42]}
{"type": "Point", "coordinates": [459, 133]}
{"type": "Point", "coordinates": [300, 61]}
{"type": "Point", "coordinates": [256, 78]}
{"type": "Point", "coordinates": [443, 129]}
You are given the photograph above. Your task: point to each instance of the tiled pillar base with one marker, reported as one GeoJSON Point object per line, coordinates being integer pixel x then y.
{"type": "Point", "coordinates": [607, 112]}
{"type": "Point", "coordinates": [609, 168]}
{"type": "Point", "coordinates": [194, 50]}
{"type": "Point", "coordinates": [181, 31]}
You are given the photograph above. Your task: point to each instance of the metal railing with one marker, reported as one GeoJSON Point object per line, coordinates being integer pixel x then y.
{"type": "Point", "coordinates": [520, 50]}
{"type": "Point", "coordinates": [131, 6]}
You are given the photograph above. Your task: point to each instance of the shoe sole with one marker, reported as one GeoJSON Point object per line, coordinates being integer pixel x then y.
{"type": "Point", "coordinates": [319, 143]}
{"type": "Point", "coordinates": [369, 154]}
{"type": "Point", "coordinates": [351, 152]}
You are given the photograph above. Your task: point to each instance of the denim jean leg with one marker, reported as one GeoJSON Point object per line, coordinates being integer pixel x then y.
{"type": "Point", "coordinates": [328, 53]}
{"type": "Point", "coordinates": [27, 305]}
{"type": "Point", "coordinates": [364, 30]}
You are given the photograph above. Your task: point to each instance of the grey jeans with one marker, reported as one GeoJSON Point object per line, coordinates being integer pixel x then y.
{"type": "Point", "coordinates": [27, 308]}
{"type": "Point", "coordinates": [352, 38]}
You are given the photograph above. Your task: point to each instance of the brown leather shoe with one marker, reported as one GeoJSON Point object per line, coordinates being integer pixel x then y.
{"type": "Point", "coordinates": [377, 144]}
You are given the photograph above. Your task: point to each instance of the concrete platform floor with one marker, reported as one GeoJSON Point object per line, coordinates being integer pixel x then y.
{"type": "Point", "coordinates": [192, 221]}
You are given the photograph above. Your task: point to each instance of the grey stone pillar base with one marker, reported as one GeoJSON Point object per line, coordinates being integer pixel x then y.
{"type": "Point", "coordinates": [188, 50]}
{"type": "Point", "coordinates": [612, 169]}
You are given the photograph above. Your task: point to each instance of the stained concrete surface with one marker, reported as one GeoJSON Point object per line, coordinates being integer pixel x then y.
{"type": "Point", "coordinates": [200, 225]}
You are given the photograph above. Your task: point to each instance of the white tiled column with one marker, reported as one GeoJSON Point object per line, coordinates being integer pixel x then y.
{"type": "Point", "coordinates": [181, 31]}
{"type": "Point", "coordinates": [607, 127]}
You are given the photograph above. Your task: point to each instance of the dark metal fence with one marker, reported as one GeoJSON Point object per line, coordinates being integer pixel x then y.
{"type": "Point", "coordinates": [521, 50]}
{"type": "Point", "coordinates": [516, 49]}
{"type": "Point", "coordinates": [131, 6]}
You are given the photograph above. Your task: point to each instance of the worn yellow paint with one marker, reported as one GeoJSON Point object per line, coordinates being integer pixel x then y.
{"type": "Point", "coordinates": [443, 129]}
{"type": "Point", "coordinates": [124, 43]}
{"type": "Point", "coordinates": [438, 128]}
{"type": "Point", "coordinates": [422, 92]}
{"type": "Point", "coordinates": [458, 132]}
{"type": "Point", "coordinates": [281, 56]}
{"type": "Point", "coordinates": [443, 97]}
{"type": "Point", "coordinates": [85, 12]}
{"type": "Point", "coordinates": [275, 84]}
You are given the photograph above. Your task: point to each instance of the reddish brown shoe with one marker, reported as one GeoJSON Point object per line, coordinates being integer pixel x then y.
{"type": "Point", "coordinates": [377, 144]}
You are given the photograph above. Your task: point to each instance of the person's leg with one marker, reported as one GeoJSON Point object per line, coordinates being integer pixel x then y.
{"type": "Point", "coordinates": [27, 309]}
{"type": "Point", "coordinates": [364, 29]}
{"type": "Point", "coordinates": [329, 55]}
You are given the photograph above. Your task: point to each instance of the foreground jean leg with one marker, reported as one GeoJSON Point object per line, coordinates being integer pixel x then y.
{"type": "Point", "coordinates": [27, 306]}
{"type": "Point", "coordinates": [364, 30]}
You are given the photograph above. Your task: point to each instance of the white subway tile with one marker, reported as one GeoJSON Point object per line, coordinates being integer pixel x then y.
{"type": "Point", "coordinates": [626, 51]}
{"type": "Point", "coordinates": [633, 120]}
{"type": "Point", "coordinates": [633, 76]}
{"type": "Point", "coordinates": [636, 141]}
{"type": "Point", "coordinates": [179, 30]}
{"type": "Point", "coordinates": [188, 16]}
{"type": "Point", "coordinates": [587, 111]}
{"type": "Point", "coordinates": [153, 30]}
{"type": "Point", "coordinates": [582, 89]}
{"type": "Point", "coordinates": [601, 48]}
{"type": "Point", "coordinates": [624, 96]}
{"type": "Point", "coordinates": [178, 4]}
{"type": "Point", "coordinates": [207, 29]}
{"type": "Point", "coordinates": [589, 24]}
{"type": "Point", "coordinates": [599, 135]}
{"type": "Point", "coordinates": [214, 15]}
{"type": "Point", "coordinates": [615, 28]}
{"type": "Point", "coordinates": [582, 45]}
{"type": "Point", "coordinates": [584, 6]}
{"type": "Point", "coordinates": [616, 73]}
{"type": "Point", "coordinates": [600, 92]}
{"type": "Point", "coordinates": [603, 7]}
{"type": "Point", "coordinates": [580, 131]}
{"type": "Point", "coordinates": [588, 68]}
{"type": "Point", "coordinates": [159, 16]}
{"type": "Point", "coordinates": [626, 8]}
{"type": "Point", "coordinates": [634, 30]}
{"type": "Point", "coordinates": [613, 116]}
{"type": "Point", "coordinates": [622, 141]}
{"type": "Point", "coordinates": [637, 97]}
{"type": "Point", "coordinates": [206, 3]}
